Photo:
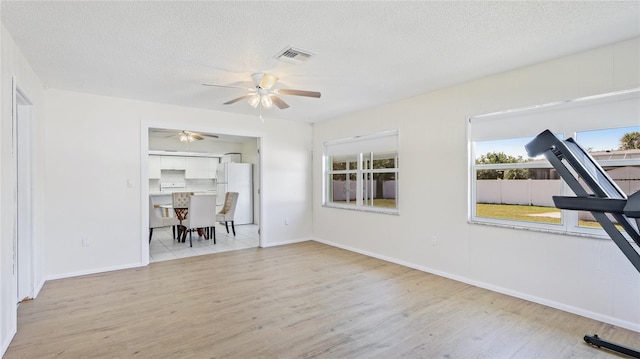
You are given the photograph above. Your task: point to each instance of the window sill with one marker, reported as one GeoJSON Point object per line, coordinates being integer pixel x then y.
{"type": "Point", "coordinates": [559, 229]}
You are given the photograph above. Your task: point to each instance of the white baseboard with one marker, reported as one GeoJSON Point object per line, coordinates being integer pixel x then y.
{"type": "Point", "coordinates": [282, 243]}
{"type": "Point", "coordinates": [140, 264]}
{"type": "Point", "coordinates": [6, 340]}
{"type": "Point", "coordinates": [38, 288]}
{"type": "Point", "coordinates": [94, 271]}
{"type": "Point", "coordinates": [550, 303]}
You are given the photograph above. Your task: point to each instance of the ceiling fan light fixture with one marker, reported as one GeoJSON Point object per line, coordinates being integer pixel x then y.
{"type": "Point", "coordinates": [186, 137]}
{"type": "Point", "coordinates": [266, 101]}
{"type": "Point", "coordinates": [254, 100]}
{"type": "Point", "coordinates": [264, 95]}
{"type": "Point", "coordinates": [268, 81]}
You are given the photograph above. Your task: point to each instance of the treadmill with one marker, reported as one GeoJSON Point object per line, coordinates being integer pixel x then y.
{"type": "Point", "coordinates": [598, 194]}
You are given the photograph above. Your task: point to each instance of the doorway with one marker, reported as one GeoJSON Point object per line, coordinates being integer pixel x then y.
{"type": "Point", "coordinates": [222, 148]}
{"type": "Point", "coordinates": [22, 146]}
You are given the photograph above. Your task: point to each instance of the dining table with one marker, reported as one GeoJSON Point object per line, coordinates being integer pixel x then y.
{"type": "Point", "coordinates": [181, 212]}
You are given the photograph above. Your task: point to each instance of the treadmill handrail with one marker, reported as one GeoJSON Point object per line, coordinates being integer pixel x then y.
{"type": "Point", "coordinates": [597, 179]}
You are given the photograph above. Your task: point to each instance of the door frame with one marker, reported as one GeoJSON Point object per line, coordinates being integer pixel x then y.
{"type": "Point", "coordinates": [22, 158]}
{"type": "Point", "coordinates": [145, 125]}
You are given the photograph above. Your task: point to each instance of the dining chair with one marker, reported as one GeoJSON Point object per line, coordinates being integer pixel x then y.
{"type": "Point", "coordinates": [156, 221]}
{"type": "Point", "coordinates": [226, 215]}
{"type": "Point", "coordinates": [181, 199]}
{"type": "Point", "coordinates": [201, 214]}
{"type": "Point", "coordinates": [180, 204]}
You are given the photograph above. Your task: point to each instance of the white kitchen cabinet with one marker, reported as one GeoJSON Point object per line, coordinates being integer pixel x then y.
{"type": "Point", "coordinates": [154, 167]}
{"type": "Point", "coordinates": [193, 167]}
{"type": "Point", "coordinates": [172, 162]}
{"type": "Point", "coordinates": [200, 167]}
{"type": "Point", "coordinates": [232, 157]}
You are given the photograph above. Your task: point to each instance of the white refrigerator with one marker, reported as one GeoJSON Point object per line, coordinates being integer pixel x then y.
{"type": "Point", "coordinates": [236, 177]}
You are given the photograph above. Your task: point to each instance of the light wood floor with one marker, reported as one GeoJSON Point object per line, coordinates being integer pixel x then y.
{"type": "Point", "coordinates": [305, 300]}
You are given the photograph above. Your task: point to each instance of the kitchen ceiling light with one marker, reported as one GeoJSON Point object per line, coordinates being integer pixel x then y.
{"type": "Point", "coordinates": [186, 137]}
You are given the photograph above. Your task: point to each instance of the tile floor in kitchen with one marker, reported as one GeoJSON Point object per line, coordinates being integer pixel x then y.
{"type": "Point", "coordinates": [163, 247]}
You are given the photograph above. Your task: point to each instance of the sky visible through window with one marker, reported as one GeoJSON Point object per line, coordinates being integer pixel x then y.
{"type": "Point", "coordinates": [604, 140]}
{"type": "Point", "coordinates": [599, 140]}
{"type": "Point", "coordinates": [513, 147]}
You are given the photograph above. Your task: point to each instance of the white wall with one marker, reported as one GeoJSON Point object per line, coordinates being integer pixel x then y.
{"type": "Point", "coordinates": [95, 151]}
{"type": "Point", "coordinates": [13, 65]}
{"type": "Point", "coordinates": [586, 276]}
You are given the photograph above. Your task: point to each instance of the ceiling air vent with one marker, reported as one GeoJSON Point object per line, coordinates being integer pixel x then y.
{"type": "Point", "coordinates": [294, 55]}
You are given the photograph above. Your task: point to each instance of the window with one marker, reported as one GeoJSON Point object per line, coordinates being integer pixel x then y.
{"type": "Point", "coordinates": [362, 173]}
{"type": "Point", "coordinates": [617, 151]}
{"type": "Point", "coordinates": [509, 188]}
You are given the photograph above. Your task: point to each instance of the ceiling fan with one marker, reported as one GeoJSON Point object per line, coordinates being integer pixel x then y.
{"type": "Point", "coordinates": [264, 95]}
{"type": "Point", "coordinates": [186, 136]}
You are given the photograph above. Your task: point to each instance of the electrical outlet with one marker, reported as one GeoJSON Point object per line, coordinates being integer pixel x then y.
{"type": "Point", "coordinates": [286, 221]}
{"type": "Point", "coordinates": [85, 241]}
{"type": "Point", "coordinates": [434, 240]}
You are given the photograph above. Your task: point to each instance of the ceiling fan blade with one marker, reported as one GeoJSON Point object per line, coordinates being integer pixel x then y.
{"type": "Point", "coordinates": [278, 102]}
{"type": "Point", "coordinates": [298, 93]}
{"type": "Point", "coordinates": [155, 130]}
{"type": "Point", "coordinates": [237, 99]}
{"type": "Point", "coordinates": [163, 133]}
{"type": "Point", "coordinates": [199, 136]}
{"type": "Point", "coordinates": [230, 87]}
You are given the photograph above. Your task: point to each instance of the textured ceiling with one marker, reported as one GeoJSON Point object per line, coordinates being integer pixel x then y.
{"type": "Point", "coordinates": [367, 53]}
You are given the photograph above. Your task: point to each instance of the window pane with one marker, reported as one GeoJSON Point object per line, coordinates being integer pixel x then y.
{"type": "Point", "coordinates": [340, 163]}
{"type": "Point", "coordinates": [384, 160]}
{"type": "Point", "coordinates": [519, 199]}
{"type": "Point", "coordinates": [369, 185]}
{"type": "Point", "coordinates": [513, 193]}
{"type": "Point", "coordinates": [507, 174]}
{"type": "Point", "coordinates": [380, 187]}
{"type": "Point", "coordinates": [513, 212]}
{"type": "Point", "coordinates": [609, 147]}
{"type": "Point", "coordinates": [501, 151]}
{"type": "Point", "coordinates": [342, 190]}
{"type": "Point", "coordinates": [385, 190]}
{"type": "Point", "coordinates": [613, 139]}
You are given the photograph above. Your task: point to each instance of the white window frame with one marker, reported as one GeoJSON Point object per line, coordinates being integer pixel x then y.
{"type": "Point", "coordinates": [624, 108]}
{"type": "Point", "coordinates": [360, 149]}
